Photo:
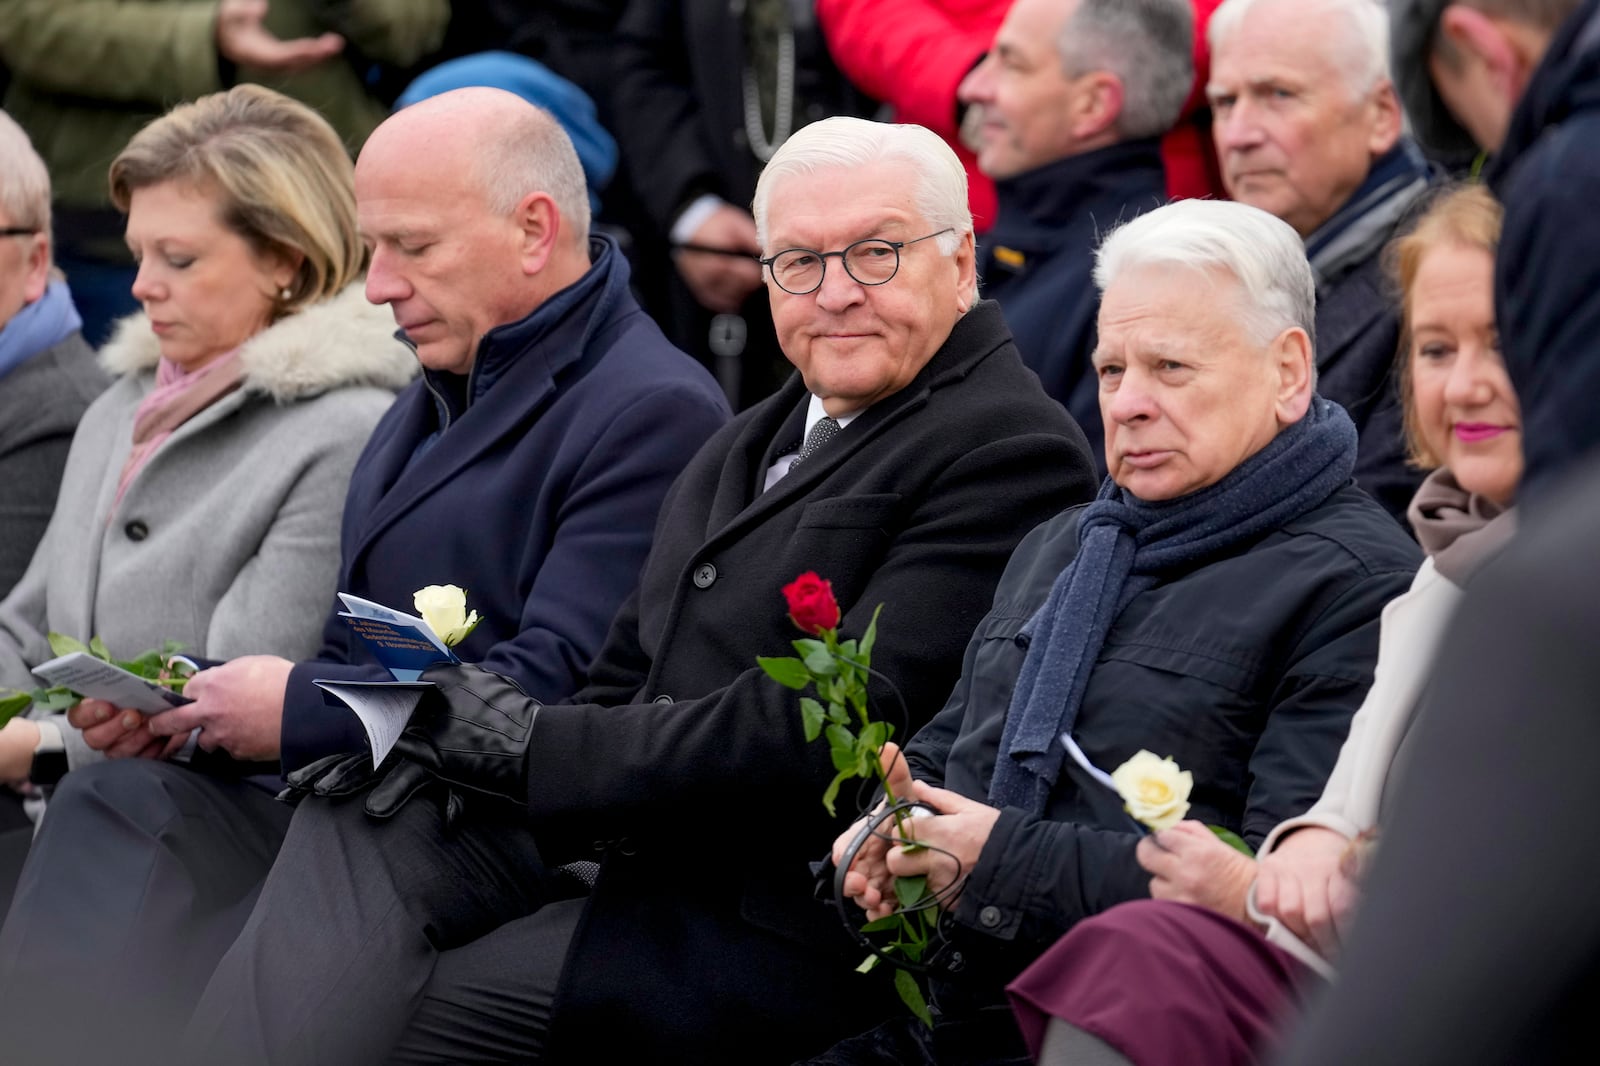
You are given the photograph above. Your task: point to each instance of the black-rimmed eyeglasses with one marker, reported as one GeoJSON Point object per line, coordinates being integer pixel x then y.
{"type": "Point", "coordinates": [873, 261]}
{"type": "Point", "coordinates": [18, 231]}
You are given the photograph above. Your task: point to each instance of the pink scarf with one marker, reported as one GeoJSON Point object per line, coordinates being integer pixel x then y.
{"type": "Point", "coordinates": [179, 395]}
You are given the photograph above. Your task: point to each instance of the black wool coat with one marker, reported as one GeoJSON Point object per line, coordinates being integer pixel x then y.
{"type": "Point", "coordinates": [687, 772]}
{"type": "Point", "coordinates": [1245, 669]}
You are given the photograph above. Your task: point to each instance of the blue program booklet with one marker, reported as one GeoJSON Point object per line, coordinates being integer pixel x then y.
{"type": "Point", "coordinates": [403, 643]}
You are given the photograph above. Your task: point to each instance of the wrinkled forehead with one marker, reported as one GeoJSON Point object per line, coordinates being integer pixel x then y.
{"type": "Point", "coordinates": [832, 206]}
{"type": "Point", "coordinates": [1172, 307]}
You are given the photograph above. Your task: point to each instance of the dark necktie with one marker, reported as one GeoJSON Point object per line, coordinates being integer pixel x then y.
{"type": "Point", "coordinates": [825, 430]}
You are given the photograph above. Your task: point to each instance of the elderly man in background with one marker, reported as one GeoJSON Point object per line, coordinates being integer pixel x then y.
{"type": "Point", "coordinates": [48, 374]}
{"type": "Point", "coordinates": [527, 465]}
{"type": "Point", "coordinates": [1523, 76]}
{"type": "Point", "coordinates": [1308, 127]}
{"type": "Point", "coordinates": [903, 463]}
{"type": "Point", "coordinates": [1075, 96]}
{"type": "Point", "coordinates": [1217, 604]}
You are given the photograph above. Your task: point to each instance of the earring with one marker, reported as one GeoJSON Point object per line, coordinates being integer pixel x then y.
{"type": "Point", "coordinates": [286, 294]}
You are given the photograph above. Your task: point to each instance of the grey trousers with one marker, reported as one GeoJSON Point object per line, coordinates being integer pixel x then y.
{"type": "Point", "coordinates": [139, 879]}
{"type": "Point", "coordinates": [379, 941]}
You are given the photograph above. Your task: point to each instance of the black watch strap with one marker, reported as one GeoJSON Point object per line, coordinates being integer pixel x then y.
{"type": "Point", "coordinates": [49, 767]}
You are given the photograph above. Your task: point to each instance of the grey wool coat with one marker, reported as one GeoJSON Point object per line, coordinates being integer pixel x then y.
{"type": "Point", "coordinates": [40, 404]}
{"type": "Point", "coordinates": [228, 539]}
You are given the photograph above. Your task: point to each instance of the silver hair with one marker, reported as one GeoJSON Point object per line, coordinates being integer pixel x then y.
{"type": "Point", "coordinates": [534, 154]}
{"type": "Point", "coordinates": [1260, 251]}
{"type": "Point", "coordinates": [1358, 35]}
{"type": "Point", "coordinates": [940, 194]}
{"type": "Point", "coordinates": [1147, 44]}
{"type": "Point", "coordinates": [24, 181]}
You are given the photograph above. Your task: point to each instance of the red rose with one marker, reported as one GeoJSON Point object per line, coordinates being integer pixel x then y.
{"type": "Point", "coordinates": [811, 603]}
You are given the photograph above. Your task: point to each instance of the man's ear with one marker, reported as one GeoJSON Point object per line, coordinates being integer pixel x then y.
{"type": "Point", "coordinates": [966, 256]}
{"type": "Point", "coordinates": [540, 222]}
{"type": "Point", "coordinates": [1388, 120]}
{"type": "Point", "coordinates": [1480, 39]}
{"type": "Point", "coordinates": [1295, 366]}
{"type": "Point", "coordinates": [38, 276]}
{"type": "Point", "coordinates": [1096, 104]}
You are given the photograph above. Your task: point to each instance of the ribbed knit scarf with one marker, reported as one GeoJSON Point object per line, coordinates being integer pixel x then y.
{"type": "Point", "coordinates": [1125, 545]}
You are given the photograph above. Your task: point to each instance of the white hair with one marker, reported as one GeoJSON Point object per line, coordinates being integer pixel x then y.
{"type": "Point", "coordinates": [1357, 38]}
{"type": "Point", "coordinates": [1260, 251]}
{"type": "Point", "coordinates": [1147, 44]}
{"type": "Point", "coordinates": [940, 194]}
{"type": "Point", "coordinates": [534, 154]}
{"type": "Point", "coordinates": [24, 181]}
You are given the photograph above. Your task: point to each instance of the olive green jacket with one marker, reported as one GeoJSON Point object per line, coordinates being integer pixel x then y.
{"type": "Point", "coordinates": [88, 74]}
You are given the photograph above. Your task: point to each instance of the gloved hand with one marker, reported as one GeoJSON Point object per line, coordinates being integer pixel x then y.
{"type": "Point", "coordinates": [470, 733]}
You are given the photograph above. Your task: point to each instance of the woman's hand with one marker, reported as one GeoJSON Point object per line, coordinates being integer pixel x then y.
{"type": "Point", "coordinates": [114, 732]}
{"type": "Point", "coordinates": [1188, 863]}
{"type": "Point", "coordinates": [1300, 883]}
{"type": "Point", "coordinates": [18, 738]}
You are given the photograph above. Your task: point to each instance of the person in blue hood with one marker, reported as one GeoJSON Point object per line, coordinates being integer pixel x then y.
{"type": "Point", "coordinates": [1521, 79]}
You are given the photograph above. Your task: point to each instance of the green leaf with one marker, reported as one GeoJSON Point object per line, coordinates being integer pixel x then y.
{"type": "Point", "coordinates": [838, 714]}
{"type": "Point", "coordinates": [169, 648]}
{"type": "Point", "coordinates": [98, 649]}
{"type": "Point", "coordinates": [808, 646]}
{"type": "Point", "coordinates": [832, 792]}
{"type": "Point", "coordinates": [822, 663]}
{"type": "Point", "coordinates": [868, 964]}
{"type": "Point", "coordinates": [61, 644]}
{"type": "Point", "coordinates": [869, 638]}
{"type": "Point", "coordinates": [888, 921]}
{"type": "Point", "coordinates": [811, 716]}
{"type": "Point", "coordinates": [910, 890]}
{"type": "Point", "coordinates": [911, 995]}
{"type": "Point", "coordinates": [873, 736]}
{"type": "Point", "coordinates": [786, 671]}
{"type": "Point", "coordinates": [842, 748]}
{"type": "Point", "coordinates": [55, 699]}
{"type": "Point", "coordinates": [13, 705]}
{"type": "Point", "coordinates": [1232, 839]}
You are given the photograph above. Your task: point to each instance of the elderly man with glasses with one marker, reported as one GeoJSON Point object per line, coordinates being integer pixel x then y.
{"type": "Point", "coordinates": [420, 913]}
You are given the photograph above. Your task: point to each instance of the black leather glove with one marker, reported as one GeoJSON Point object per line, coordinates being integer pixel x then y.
{"type": "Point", "coordinates": [471, 733]}
{"type": "Point", "coordinates": [331, 775]}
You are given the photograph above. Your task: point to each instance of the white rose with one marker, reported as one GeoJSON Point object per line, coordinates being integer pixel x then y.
{"type": "Point", "coordinates": [444, 608]}
{"type": "Point", "coordinates": [1153, 789]}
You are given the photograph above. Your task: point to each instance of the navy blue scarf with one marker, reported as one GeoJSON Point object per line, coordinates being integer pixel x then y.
{"type": "Point", "coordinates": [1124, 545]}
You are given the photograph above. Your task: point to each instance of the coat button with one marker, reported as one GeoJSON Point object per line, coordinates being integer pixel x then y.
{"type": "Point", "coordinates": [705, 575]}
{"type": "Point", "coordinates": [662, 699]}
{"type": "Point", "coordinates": [136, 530]}
{"type": "Point", "coordinates": [989, 917]}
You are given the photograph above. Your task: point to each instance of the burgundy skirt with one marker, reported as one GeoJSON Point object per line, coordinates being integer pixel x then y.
{"type": "Point", "coordinates": [1163, 983]}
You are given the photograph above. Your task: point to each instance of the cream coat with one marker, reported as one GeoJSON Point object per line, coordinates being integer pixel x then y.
{"type": "Point", "coordinates": [228, 539]}
{"type": "Point", "coordinates": [1412, 627]}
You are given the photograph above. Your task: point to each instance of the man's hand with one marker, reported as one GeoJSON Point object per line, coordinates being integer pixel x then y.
{"type": "Point", "coordinates": [1301, 884]}
{"type": "Point", "coordinates": [237, 707]}
{"type": "Point", "coordinates": [868, 880]}
{"type": "Point", "coordinates": [953, 838]}
{"type": "Point", "coordinates": [242, 39]}
{"type": "Point", "coordinates": [114, 732]}
{"type": "Point", "coordinates": [721, 282]}
{"type": "Point", "coordinates": [1189, 864]}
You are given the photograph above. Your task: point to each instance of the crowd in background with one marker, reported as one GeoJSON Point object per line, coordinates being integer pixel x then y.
{"type": "Point", "coordinates": [1283, 469]}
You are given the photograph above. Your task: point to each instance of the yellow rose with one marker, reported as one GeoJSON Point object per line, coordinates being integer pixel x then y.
{"type": "Point", "coordinates": [444, 608]}
{"type": "Point", "coordinates": [1153, 789]}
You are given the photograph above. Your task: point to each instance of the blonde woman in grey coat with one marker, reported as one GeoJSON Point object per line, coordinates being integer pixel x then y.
{"type": "Point", "coordinates": [203, 493]}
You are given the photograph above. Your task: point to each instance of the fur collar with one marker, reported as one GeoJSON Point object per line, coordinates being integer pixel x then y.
{"type": "Point", "coordinates": [339, 342]}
